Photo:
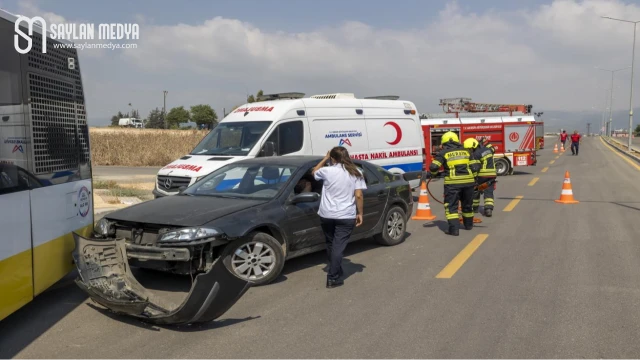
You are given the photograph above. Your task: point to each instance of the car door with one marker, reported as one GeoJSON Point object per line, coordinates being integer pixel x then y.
{"type": "Point", "coordinates": [302, 223]}
{"type": "Point", "coordinates": [375, 199]}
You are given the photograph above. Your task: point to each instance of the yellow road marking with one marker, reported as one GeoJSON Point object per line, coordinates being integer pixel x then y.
{"type": "Point", "coordinates": [513, 203]}
{"type": "Point", "coordinates": [454, 265]}
{"type": "Point", "coordinates": [622, 156]}
{"type": "Point", "coordinates": [552, 161]}
{"type": "Point", "coordinates": [557, 157]}
{"type": "Point", "coordinates": [545, 169]}
{"type": "Point", "coordinates": [533, 181]}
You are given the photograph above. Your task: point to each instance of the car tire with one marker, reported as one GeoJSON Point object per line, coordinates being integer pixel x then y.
{"type": "Point", "coordinates": [502, 166]}
{"type": "Point", "coordinates": [394, 227]}
{"type": "Point", "coordinates": [244, 256]}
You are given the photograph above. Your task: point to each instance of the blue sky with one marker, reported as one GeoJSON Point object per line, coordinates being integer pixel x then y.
{"type": "Point", "coordinates": [537, 52]}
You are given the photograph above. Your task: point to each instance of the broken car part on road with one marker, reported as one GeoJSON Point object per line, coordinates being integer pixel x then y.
{"type": "Point", "coordinates": [105, 275]}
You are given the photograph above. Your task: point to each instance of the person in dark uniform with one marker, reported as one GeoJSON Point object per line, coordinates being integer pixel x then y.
{"type": "Point", "coordinates": [459, 181]}
{"type": "Point", "coordinates": [482, 154]}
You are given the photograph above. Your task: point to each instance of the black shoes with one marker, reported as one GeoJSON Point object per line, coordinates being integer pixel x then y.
{"type": "Point", "coordinates": [468, 223]}
{"type": "Point", "coordinates": [334, 283]}
{"type": "Point", "coordinates": [488, 212]}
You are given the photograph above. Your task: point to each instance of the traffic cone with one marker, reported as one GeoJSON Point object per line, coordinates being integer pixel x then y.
{"type": "Point", "coordinates": [424, 209]}
{"type": "Point", "coordinates": [567, 193]}
{"type": "Point", "coordinates": [476, 220]}
{"type": "Point", "coordinates": [555, 148]}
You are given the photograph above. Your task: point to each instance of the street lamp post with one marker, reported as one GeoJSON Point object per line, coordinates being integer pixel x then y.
{"type": "Point", "coordinates": [608, 133]}
{"type": "Point", "coordinates": [164, 109]}
{"type": "Point", "coordinates": [633, 54]}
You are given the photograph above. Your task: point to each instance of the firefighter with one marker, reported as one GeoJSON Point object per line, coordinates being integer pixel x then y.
{"type": "Point", "coordinates": [482, 155]}
{"type": "Point", "coordinates": [459, 181]}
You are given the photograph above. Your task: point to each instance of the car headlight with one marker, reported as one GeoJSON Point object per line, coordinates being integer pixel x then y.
{"type": "Point", "coordinates": [104, 227]}
{"type": "Point", "coordinates": [189, 234]}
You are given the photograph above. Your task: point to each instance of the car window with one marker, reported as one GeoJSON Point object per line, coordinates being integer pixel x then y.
{"type": "Point", "coordinates": [369, 177]}
{"type": "Point", "coordinates": [14, 179]}
{"type": "Point", "coordinates": [244, 181]}
{"type": "Point", "coordinates": [386, 175]}
{"type": "Point", "coordinates": [288, 137]}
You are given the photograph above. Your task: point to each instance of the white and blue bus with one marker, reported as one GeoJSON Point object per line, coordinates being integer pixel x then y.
{"type": "Point", "coordinates": [45, 165]}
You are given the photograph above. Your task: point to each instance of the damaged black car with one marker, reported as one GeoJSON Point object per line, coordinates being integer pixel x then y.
{"type": "Point", "coordinates": [250, 216]}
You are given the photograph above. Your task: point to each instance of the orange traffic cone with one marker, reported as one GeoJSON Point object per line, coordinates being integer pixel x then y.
{"type": "Point", "coordinates": [555, 148]}
{"type": "Point", "coordinates": [424, 209]}
{"type": "Point", "coordinates": [476, 220]}
{"type": "Point", "coordinates": [567, 193]}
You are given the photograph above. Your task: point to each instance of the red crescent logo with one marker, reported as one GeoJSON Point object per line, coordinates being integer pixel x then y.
{"type": "Point", "coordinates": [398, 133]}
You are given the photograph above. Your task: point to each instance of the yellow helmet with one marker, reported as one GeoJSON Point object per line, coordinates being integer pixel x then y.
{"type": "Point", "coordinates": [450, 136]}
{"type": "Point", "coordinates": [470, 143]}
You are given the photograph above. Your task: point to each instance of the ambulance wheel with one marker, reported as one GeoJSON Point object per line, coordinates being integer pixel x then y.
{"type": "Point", "coordinates": [394, 227]}
{"type": "Point", "coordinates": [502, 166]}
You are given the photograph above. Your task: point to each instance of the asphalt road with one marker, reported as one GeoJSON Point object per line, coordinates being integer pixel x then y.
{"type": "Point", "coordinates": [548, 281]}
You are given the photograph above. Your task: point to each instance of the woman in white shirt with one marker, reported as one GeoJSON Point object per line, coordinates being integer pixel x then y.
{"type": "Point", "coordinates": [341, 206]}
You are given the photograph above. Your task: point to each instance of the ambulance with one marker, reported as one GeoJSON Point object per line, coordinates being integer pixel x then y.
{"type": "Point", "coordinates": [513, 137]}
{"type": "Point", "coordinates": [383, 130]}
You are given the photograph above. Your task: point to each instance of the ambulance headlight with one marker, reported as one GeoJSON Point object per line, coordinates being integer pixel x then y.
{"type": "Point", "coordinates": [105, 227]}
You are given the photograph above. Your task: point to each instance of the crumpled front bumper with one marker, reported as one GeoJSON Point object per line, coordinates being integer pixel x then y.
{"type": "Point", "coordinates": [105, 275]}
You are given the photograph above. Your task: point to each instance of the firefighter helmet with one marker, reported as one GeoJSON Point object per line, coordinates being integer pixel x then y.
{"type": "Point", "coordinates": [470, 143]}
{"type": "Point", "coordinates": [449, 136]}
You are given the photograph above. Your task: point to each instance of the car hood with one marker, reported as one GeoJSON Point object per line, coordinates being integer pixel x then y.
{"type": "Point", "coordinates": [182, 210]}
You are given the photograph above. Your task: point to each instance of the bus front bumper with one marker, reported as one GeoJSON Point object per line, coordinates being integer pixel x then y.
{"type": "Point", "coordinates": [104, 274]}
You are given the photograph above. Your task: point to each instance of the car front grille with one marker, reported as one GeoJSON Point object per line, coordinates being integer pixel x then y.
{"type": "Point", "coordinates": [172, 183]}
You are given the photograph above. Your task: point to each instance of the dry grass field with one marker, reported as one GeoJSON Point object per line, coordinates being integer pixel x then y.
{"type": "Point", "coordinates": [141, 147]}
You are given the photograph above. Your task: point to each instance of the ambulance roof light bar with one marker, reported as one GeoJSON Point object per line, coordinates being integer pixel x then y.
{"type": "Point", "coordinates": [335, 96]}
{"type": "Point", "coordinates": [383, 97]}
{"type": "Point", "coordinates": [281, 96]}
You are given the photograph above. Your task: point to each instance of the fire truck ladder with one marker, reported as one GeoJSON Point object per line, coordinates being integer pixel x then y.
{"type": "Point", "coordinates": [458, 105]}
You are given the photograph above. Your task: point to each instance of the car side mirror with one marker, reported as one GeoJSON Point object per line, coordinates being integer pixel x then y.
{"type": "Point", "coordinates": [269, 148]}
{"type": "Point", "coordinates": [305, 198]}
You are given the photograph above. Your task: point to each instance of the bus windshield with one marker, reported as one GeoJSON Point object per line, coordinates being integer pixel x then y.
{"type": "Point", "coordinates": [232, 138]}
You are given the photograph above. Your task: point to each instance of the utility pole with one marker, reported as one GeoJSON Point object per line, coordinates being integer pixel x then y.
{"type": "Point", "coordinates": [588, 129]}
{"type": "Point", "coordinates": [164, 109]}
{"type": "Point", "coordinates": [633, 54]}
{"type": "Point", "coordinates": [611, 97]}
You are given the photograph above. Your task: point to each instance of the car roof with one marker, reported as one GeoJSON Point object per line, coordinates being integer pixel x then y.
{"type": "Point", "coordinates": [282, 160]}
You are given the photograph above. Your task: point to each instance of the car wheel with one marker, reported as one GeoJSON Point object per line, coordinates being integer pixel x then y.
{"type": "Point", "coordinates": [502, 166]}
{"type": "Point", "coordinates": [258, 258]}
{"type": "Point", "coordinates": [394, 227]}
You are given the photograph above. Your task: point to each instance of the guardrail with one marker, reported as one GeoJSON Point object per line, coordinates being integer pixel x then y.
{"type": "Point", "coordinates": [634, 154]}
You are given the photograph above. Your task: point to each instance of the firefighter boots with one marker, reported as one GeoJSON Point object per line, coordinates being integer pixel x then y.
{"type": "Point", "coordinates": [468, 223]}
{"type": "Point", "coordinates": [488, 212]}
{"type": "Point", "coordinates": [454, 228]}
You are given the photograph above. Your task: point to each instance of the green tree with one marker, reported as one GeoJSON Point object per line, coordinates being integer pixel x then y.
{"type": "Point", "coordinates": [116, 118]}
{"type": "Point", "coordinates": [156, 120]}
{"type": "Point", "coordinates": [178, 115]}
{"type": "Point", "coordinates": [637, 130]}
{"type": "Point", "coordinates": [204, 115]}
{"type": "Point", "coordinates": [252, 99]}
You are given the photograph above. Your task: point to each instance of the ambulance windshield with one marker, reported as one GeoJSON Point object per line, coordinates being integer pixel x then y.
{"type": "Point", "coordinates": [232, 138]}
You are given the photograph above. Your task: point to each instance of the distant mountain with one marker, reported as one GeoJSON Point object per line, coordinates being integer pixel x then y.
{"type": "Point", "coordinates": [568, 120]}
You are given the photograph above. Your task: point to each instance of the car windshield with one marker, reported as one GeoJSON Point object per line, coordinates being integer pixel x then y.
{"type": "Point", "coordinates": [243, 181]}
{"type": "Point", "coordinates": [232, 138]}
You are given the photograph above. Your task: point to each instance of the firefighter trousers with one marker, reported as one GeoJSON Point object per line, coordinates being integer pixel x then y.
{"type": "Point", "coordinates": [488, 197]}
{"type": "Point", "coordinates": [454, 195]}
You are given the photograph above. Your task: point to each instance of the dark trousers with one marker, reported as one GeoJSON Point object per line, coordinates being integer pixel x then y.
{"type": "Point", "coordinates": [575, 147]}
{"type": "Point", "coordinates": [488, 196]}
{"type": "Point", "coordinates": [336, 233]}
{"type": "Point", "coordinates": [563, 143]}
{"type": "Point", "coordinates": [453, 195]}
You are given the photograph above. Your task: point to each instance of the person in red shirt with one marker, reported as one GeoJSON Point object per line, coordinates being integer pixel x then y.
{"type": "Point", "coordinates": [576, 139]}
{"type": "Point", "coordinates": [563, 138]}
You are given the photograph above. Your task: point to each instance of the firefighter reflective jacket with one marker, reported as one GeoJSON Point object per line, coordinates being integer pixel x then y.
{"type": "Point", "coordinates": [484, 155]}
{"type": "Point", "coordinates": [456, 161]}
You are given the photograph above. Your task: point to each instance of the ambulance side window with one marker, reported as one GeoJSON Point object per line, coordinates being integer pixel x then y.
{"type": "Point", "coordinates": [288, 137]}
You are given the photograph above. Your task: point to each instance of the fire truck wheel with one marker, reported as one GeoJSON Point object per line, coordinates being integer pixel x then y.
{"type": "Point", "coordinates": [502, 166]}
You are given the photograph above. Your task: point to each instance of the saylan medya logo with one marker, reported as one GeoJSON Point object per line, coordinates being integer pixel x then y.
{"type": "Point", "coordinates": [71, 32]}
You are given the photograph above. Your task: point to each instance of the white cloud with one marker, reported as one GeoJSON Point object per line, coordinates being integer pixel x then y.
{"type": "Point", "coordinates": [544, 56]}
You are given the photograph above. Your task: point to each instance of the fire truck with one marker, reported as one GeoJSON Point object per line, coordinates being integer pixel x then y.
{"type": "Point", "coordinates": [514, 136]}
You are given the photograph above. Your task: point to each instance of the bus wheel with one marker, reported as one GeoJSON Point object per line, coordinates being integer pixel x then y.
{"type": "Point", "coordinates": [502, 166]}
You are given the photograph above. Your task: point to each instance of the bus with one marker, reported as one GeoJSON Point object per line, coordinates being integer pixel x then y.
{"type": "Point", "coordinates": [46, 189]}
